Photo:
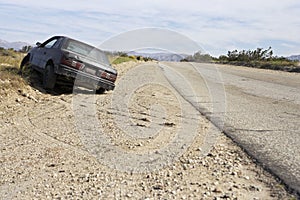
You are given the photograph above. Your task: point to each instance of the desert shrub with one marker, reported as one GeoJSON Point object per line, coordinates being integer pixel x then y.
{"type": "Point", "coordinates": [121, 59]}
{"type": "Point", "coordinates": [258, 58]}
{"type": "Point", "coordinates": [9, 70]}
{"type": "Point", "coordinates": [198, 57]}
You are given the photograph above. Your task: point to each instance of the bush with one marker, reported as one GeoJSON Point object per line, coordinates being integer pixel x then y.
{"type": "Point", "coordinates": [122, 59]}
{"type": "Point", "coordinates": [198, 57]}
{"type": "Point", "coordinates": [258, 58]}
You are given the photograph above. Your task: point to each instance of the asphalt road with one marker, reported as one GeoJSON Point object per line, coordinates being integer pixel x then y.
{"type": "Point", "coordinates": [258, 109]}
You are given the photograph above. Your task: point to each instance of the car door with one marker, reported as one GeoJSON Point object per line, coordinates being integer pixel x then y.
{"type": "Point", "coordinates": [36, 55]}
{"type": "Point", "coordinates": [47, 51]}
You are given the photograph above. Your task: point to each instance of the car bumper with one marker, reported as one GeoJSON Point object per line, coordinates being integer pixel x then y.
{"type": "Point", "coordinates": [84, 79]}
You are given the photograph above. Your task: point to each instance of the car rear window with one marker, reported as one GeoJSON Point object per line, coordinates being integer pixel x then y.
{"type": "Point", "coordinates": [87, 51]}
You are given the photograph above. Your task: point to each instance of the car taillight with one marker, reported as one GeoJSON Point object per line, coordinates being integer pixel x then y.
{"type": "Point", "coordinates": [72, 63]}
{"type": "Point", "coordinates": [107, 75]}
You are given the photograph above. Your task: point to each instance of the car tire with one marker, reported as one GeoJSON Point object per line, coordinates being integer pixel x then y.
{"type": "Point", "coordinates": [49, 77]}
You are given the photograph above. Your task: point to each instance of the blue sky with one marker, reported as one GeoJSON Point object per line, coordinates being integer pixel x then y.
{"type": "Point", "coordinates": [216, 25]}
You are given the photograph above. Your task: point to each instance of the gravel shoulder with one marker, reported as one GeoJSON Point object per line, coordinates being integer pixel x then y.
{"type": "Point", "coordinates": [43, 156]}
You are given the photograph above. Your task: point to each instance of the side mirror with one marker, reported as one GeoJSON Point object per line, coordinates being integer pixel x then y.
{"type": "Point", "coordinates": [38, 44]}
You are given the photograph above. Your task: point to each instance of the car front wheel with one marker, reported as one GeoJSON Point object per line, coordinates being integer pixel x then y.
{"type": "Point", "coordinates": [49, 77]}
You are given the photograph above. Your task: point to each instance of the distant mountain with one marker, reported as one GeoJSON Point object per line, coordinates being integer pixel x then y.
{"type": "Point", "coordinates": [160, 56]}
{"type": "Point", "coordinates": [14, 45]}
{"type": "Point", "coordinates": [294, 57]}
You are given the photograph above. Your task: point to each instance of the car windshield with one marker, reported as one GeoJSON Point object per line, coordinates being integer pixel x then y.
{"type": "Point", "coordinates": [87, 51]}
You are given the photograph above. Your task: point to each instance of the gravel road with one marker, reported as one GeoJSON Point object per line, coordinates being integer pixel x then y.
{"type": "Point", "coordinates": [145, 140]}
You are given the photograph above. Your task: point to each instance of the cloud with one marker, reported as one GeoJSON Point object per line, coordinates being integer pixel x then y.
{"type": "Point", "coordinates": [151, 38]}
{"type": "Point", "coordinates": [216, 25]}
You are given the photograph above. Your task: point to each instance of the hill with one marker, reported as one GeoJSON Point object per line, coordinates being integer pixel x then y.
{"type": "Point", "coordinates": [14, 45]}
{"type": "Point", "coordinates": [294, 57]}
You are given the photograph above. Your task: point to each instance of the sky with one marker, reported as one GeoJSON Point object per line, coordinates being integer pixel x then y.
{"type": "Point", "coordinates": [217, 26]}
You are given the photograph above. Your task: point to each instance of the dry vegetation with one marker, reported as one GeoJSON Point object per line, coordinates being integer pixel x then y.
{"type": "Point", "coordinates": [9, 72]}
{"type": "Point", "coordinates": [121, 57]}
{"type": "Point", "coordinates": [258, 58]}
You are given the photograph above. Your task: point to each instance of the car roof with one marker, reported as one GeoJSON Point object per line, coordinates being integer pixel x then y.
{"type": "Point", "coordinates": [69, 38]}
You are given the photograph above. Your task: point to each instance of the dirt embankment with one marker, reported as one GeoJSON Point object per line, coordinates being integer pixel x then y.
{"type": "Point", "coordinates": [43, 155]}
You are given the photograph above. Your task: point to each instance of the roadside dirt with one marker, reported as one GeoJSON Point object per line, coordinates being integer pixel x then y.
{"type": "Point", "coordinates": [44, 157]}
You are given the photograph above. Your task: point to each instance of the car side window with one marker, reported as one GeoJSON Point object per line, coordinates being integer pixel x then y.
{"type": "Point", "coordinates": [57, 43]}
{"type": "Point", "coordinates": [51, 43]}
